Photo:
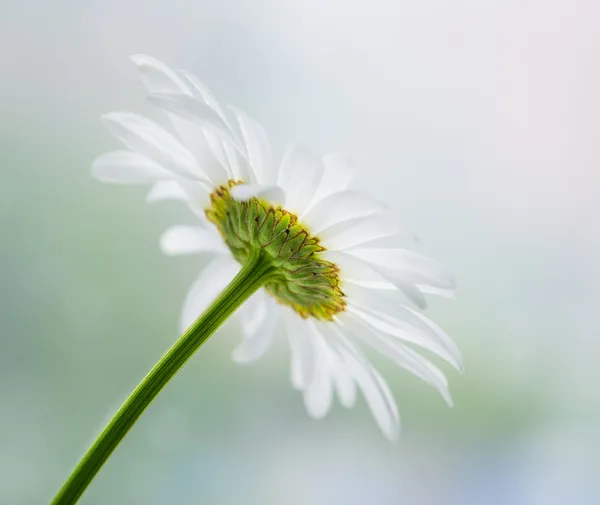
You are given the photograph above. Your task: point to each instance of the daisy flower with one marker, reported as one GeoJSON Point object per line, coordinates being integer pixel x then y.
{"type": "Point", "coordinates": [331, 287]}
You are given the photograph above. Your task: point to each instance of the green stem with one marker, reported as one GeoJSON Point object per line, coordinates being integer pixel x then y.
{"type": "Point", "coordinates": [251, 277]}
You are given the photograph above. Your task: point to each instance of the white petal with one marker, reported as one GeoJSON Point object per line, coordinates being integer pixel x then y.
{"type": "Point", "coordinates": [389, 400]}
{"type": "Point", "coordinates": [229, 157]}
{"type": "Point", "coordinates": [126, 167]}
{"type": "Point", "coordinates": [337, 176]}
{"type": "Point", "coordinates": [236, 164]}
{"type": "Point", "coordinates": [432, 290]}
{"type": "Point", "coordinates": [429, 325]}
{"type": "Point", "coordinates": [227, 152]}
{"type": "Point", "coordinates": [374, 388]}
{"type": "Point", "coordinates": [407, 270]}
{"type": "Point", "coordinates": [166, 190]}
{"type": "Point", "coordinates": [302, 354]}
{"type": "Point", "coordinates": [356, 271]}
{"type": "Point", "coordinates": [259, 338]}
{"type": "Point", "coordinates": [212, 153]}
{"type": "Point", "coordinates": [412, 292]}
{"type": "Point", "coordinates": [362, 273]}
{"type": "Point", "coordinates": [191, 240]}
{"type": "Point", "coordinates": [381, 403]}
{"type": "Point", "coordinates": [343, 382]}
{"type": "Point", "coordinates": [157, 76]}
{"type": "Point", "coordinates": [381, 303]}
{"type": "Point", "coordinates": [409, 266]}
{"type": "Point", "coordinates": [149, 139]}
{"type": "Point", "coordinates": [244, 192]}
{"type": "Point", "coordinates": [199, 141]}
{"type": "Point", "coordinates": [239, 166]}
{"type": "Point", "coordinates": [192, 109]}
{"type": "Point", "coordinates": [215, 276]}
{"type": "Point", "coordinates": [358, 231]}
{"type": "Point", "coordinates": [194, 194]}
{"type": "Point", "coordinates": [299, 177]}
{"type": "Point", "coordinates": [202, 90]}
{"type": "Point", "coordinates": [257, 148]}
{"type": "Point", "coordinates": [400, 354]}
{"type": "Point", "coordinates": [402, 330]}
{"type": "Point", "coordinates": [253, 312]}
{"type": "Point", "coordinates": [339, 207]}
{"type": "Point", "coordinates": [319, 393]}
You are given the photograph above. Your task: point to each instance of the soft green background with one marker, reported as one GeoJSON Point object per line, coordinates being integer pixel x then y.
{"type": "Point", "coordinates": [476, 120]}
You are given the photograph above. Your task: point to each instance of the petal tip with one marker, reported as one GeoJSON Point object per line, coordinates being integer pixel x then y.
{"type": "Point", "coordinates": [137, 58]}
{"type": "Point", "coordinates": [449, 400]}
{"type": "Point", "coordinates": [235, 356]}
{"type": "Point", "coordinates": [112, 117]}
{"type": "Point", "coordinates": [163, 244]}
{"type": "Point", "coordinates": [141, 59]}
{"type": "Point", "coordinates": [394, 435]}
{"type": "Point", "coordinates": [242, 357]}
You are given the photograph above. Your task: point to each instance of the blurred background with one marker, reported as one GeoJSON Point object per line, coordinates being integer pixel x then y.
{"type": "Point", "coordinates": [476, 119]}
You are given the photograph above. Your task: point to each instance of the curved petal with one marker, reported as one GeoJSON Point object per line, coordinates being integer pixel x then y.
{"type": "Point", "coordinates": [230, 161]}
{"type": "Point", "coordinates": [157, 76]}
{"type": "Point", "coordinates": [258, 148]}
{"type": "Point", "coordinates": [126, 167]}
{"type": "Point", "coordinates": [228, 157]}
{"type": "Point", "coordinates": [339, 207]}
{"type": "Point", "coordinates": [362, 273]}
{"type": "Point", "coordinates": [166, 190]}
{"type": "Point", "coordinates": [253, 312]}
{"type": "Point", "coordinates": [387, 398]}
{"type": "Point", "coordinates": [409, 265]}
{"type": "Point", "coordinates": [299, 177]}
{"type": "Point", "coordinates": [343, 382]}
{"type": "Point", "coordinates": [273, 194]}
{"type": "Point", "coordinates": [149, 139]}
{"type": "Point", "coordinates": [356, 271]}
{"type": "Point", "coordinates": [259, 335]}
{"type": "Point", "coordinates": [374, 388]}
{"type": "Point", "coordinates": [302, 354]}
{"type": "Point", "coordinates": [192, 109]}
{"type": "Point", "coordinates": [337, 176]}
{"type": "Point", "coordinates": [400, 354]}
{"type": "Point", "coordinates": [199, 88]}
{"type": "Point", "coordinates": [399, 320]}
{"type": "Point", "coordinates": [180, 240]}
{"type": "Point", "coordinates": [432, 290]}
{"type": "Point", "coordinates": [401, 330]}
{"type": "Point", "coordinates": [204, 130]}
{"type": "Point", "coordinates": [211, 281]}
{"type": "Point", "coordinates": [319, 393]}
{"type": "Point", "coordinates": [357, 232]}
{"type": "Point", "coordinates": [195, 195]}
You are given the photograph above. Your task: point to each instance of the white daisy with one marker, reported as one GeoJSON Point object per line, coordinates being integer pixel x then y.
{"type": "Point", "coordinates": [334, 290]}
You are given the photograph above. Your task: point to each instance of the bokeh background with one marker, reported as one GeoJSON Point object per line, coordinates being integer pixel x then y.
{"type": "Point", "coordinates": [476, 119]}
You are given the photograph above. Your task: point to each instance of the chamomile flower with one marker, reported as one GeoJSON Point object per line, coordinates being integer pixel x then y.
{"type": "Point", "coordinates": [331, 290]}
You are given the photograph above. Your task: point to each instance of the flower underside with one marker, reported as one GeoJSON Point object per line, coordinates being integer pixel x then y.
{"type": "Point", "coordinates": [301, 280]}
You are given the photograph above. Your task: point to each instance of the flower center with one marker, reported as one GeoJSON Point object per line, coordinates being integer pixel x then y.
{"type": "Point", "coordinates": [303, 281]}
